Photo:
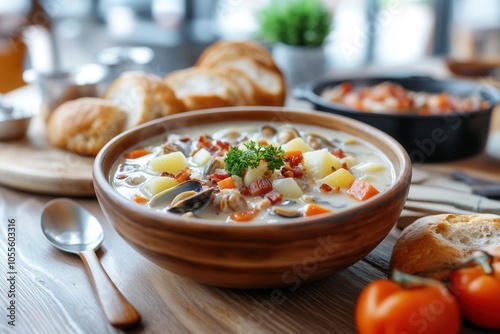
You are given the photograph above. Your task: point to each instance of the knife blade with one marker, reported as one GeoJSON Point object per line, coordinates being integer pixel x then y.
{"type": "Point", "coordinates": [460, 200]}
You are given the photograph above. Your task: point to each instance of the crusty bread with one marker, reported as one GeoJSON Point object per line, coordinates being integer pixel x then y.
{"type": "Point", "coordinates": [245, 85]}
{"type": "Point", "coordinates": [215, 52]}
{"type": "Point", "coordinates": [270, 87]}
{"type": "Point", "coordinates": [85, 125]}
{"type": "Point", "coordinates": [432, 245]}
{"type": "Point", "coordinates": [143, 96]}
{"type": "Point", "coordinates": [200, 88]}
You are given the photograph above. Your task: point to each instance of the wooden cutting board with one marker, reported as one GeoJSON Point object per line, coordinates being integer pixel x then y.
{"type": "Point", "coordinates": [32, 164]}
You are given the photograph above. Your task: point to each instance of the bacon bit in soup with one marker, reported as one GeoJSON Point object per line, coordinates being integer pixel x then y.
{"type": "Point", "coordinates": [344, 165]}
{"type": "Point", "coordinates": [362, 190]}
{"type": "Point", "coordinates": [218, 148]}
{"type": "Point", "coordinates": [274, 197]}
{"type": "Point", "coordinates": [122, 177]}
{"type": "Point", "coordinates": [139, 199]}
{"type": "Point", "coordinates": [325, 188]}
{"type": "Point", "coordinates": [315, 209]}
{"type": "Point", "coordinates": [167, 174]}
{"type": "Point", "coordinates": [219, 176]}
{"type": "Point", "coordinates": [260, 187]}
{"type": "Point", "coordinates": [183, 175]}
{"type": "Point", "coordinates": [245, 215]}
{"type": "Point", "coordinates": [227, 183]}
{"type": "Point", "coordinates": [293, 158]}
{"type": "Point", "coordinates": [137, 153]}
{"type": "Point", "coordinates": [338, 153]}
{"type": "Point", "coordinates": [288, 171]}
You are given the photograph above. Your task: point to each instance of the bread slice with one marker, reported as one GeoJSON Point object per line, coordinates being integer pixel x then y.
{"type": "Point", "coordinates": [200, 88]}
{"type": "Point", "coordinates": [214, 53]}
{"type": "Point", "coordinates": [432, 245]}
{"type": "Point", "coordinates": [85, 125]}
{"type": "Point", "coordinates": [143, 96]}
{"type": "Point", "coordinates": [241, 80]}
{"type": "Point", "coordinates": [270, 87]}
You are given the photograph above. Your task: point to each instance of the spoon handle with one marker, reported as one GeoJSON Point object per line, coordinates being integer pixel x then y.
{"type": "Point", "coordinates": [118, 311]}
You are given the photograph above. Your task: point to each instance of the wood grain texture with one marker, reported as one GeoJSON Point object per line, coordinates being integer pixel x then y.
{"type": "Point", "coordinates": [55, 294]}
{"type": "Point", "coordinates": [119, 312]}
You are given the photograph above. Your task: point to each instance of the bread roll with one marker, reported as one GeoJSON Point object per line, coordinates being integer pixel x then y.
{"type": "Point", "coordinates": [432, 245]}
{"type": "Point", "coordinates": [143, 96]}
{"type": "Point", "coordinates": [214, 53]}
{"type": "Point", "coordinates": [85, 125]}
{"type": "Point", "coordinates": [200, 88]}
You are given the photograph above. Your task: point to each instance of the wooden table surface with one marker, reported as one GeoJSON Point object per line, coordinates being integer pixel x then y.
{"type": "Point", "coordinates": [53, 293]}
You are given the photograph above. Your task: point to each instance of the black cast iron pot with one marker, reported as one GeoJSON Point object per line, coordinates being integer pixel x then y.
{"type": "Point", "coordinates": [434, 138]}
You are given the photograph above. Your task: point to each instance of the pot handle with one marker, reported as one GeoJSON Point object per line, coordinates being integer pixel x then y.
{"type": "Point", "coordinates": [300, 91]}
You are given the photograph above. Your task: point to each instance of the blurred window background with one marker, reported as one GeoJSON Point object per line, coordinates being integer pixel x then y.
{"type": "Point", "coordinates": [381, 32]}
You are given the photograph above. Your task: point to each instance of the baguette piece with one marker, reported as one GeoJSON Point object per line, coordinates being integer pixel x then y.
{"type": "Point", "coordinates": [143, 96]}
{"type": "Point", "coordinates": [222, 49]}
{"type": "Point", "coordinates": [270, 87]}
{"type": "Point", "coordinates": [85, 125]}
{"type": "Point", "coordinates": [245, 85]}
{"type": "Point", "coordinates": [200, 88]}
{"type": "Point", "coordinates": [432, 245]}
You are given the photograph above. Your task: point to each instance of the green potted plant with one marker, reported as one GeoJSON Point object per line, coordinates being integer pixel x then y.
{"type": "Point", "coordinates": [298, 29]}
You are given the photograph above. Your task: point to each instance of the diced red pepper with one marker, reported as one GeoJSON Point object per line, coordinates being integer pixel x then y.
{"type": "Point", "coordinates": [260, 187]}
{"type": "Point", "coordinates": [244, 191]}
{"type": "Point", "coordinates": [362, 190]}
{"type": "Point", "coordinates": [274, 197]}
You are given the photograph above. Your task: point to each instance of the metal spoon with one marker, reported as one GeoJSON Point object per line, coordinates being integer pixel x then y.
{"type": "Point", "coordinates": [71, 228]}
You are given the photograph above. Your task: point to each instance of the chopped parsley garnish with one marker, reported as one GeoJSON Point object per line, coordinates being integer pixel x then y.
{"type": "Point", "coordinates": [238, 160]}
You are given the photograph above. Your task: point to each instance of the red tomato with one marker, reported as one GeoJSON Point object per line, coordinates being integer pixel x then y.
{"type": "Point", "coordinates": [385, 307]}
{"type": "Point", "coordinates": [478, 294]}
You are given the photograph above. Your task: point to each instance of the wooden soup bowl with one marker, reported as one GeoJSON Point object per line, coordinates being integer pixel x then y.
{"type": "Point", "coordinates": [252, 255]}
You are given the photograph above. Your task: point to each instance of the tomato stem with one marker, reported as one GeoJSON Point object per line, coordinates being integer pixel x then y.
{"type": "Point", "coordinates": [485, 260]}
{"type": "Point", "coordinates": [408, 281]}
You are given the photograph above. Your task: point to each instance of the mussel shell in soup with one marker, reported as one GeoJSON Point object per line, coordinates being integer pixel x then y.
{"type": "Point", "coordinates": [252, 172]}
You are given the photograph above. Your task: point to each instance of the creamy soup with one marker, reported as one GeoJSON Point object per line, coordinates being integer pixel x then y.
{"type": "Point", "coordinates": [252, 172]}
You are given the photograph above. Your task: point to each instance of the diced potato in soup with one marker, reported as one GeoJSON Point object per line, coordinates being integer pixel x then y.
{"type": "Point", "coordinates": [213, 177]}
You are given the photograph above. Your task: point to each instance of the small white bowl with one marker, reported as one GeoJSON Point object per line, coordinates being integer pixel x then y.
{"type": "Point", "coordinates": [14, 122]}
